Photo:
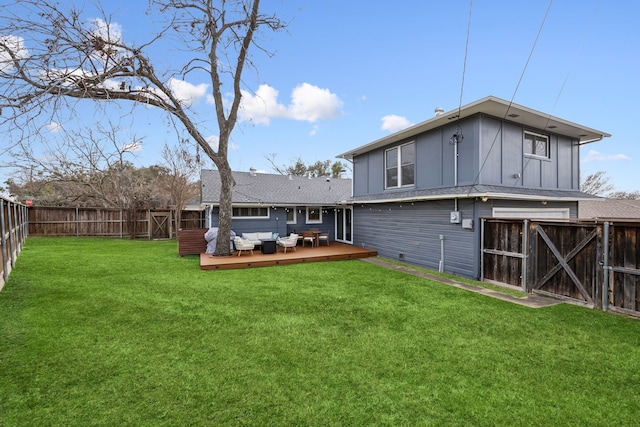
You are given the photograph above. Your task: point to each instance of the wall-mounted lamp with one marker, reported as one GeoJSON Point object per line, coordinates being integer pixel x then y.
{"type": "Point", "coordinates": [485, 198]}
{"type": "Point", "coordinates": [544, 202]}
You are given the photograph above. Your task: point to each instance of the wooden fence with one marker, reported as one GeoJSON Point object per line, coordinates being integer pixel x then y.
{"type": "Point", "coordinates": [103, 222]}
{"type": "Point", "coordinates": [595, 263]}
{"type": "Point", "coordinates": [13, 228]}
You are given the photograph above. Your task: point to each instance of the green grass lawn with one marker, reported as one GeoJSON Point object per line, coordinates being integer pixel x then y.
{"type": "Point", "coordinates": [116, 332]}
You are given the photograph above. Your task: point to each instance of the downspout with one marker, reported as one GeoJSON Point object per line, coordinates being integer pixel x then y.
{"type": "Point", "coordinates": [441, 263]}
{"type": "Point", "coordinates": [525, 253]}
{"type": "Point", "coordinates": [455, 162]}
{"type": "Point", "coordinates": [482, 224]}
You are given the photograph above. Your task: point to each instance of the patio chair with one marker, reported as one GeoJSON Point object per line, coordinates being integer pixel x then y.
{"type": "Point", "coordinates": [288, 242]}
{"type": "Point", "coordinates": [308, 236]}
{"type": "Point", "coordinates": [243, 245]}
{"type": "Point", "coordinates": [323, 237]}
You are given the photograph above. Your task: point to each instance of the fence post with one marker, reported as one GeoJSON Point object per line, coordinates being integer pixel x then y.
{"type": "Point", "coordinates": [12, 240]}
{"type": "Point", "coordinates": [3, 244]}
{"type": "Point", "coordinates": [77, 223]}
{"type": "Point", "coordinates": [605, 269]}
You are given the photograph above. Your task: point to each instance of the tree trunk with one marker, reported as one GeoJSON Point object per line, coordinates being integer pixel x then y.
{"type": "Point", "coordinates": [227, 183]}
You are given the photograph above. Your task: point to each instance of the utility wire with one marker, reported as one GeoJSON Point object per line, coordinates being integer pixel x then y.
{"type": "Point", "coordinates": [535, 42]}
{"type": "Point", "coordinates": [566, 78]}
{"type": "Point", "coordinates": [466, 52]}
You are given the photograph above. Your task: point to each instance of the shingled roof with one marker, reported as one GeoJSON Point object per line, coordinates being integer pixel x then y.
{"type": "Point", "coordinates": [609, 208]}
{"type": "Point", "coordinates": [275, 189]}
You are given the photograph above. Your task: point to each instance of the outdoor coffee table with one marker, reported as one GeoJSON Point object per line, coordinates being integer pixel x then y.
{"type": "Point", "coordinates": [268, 246]}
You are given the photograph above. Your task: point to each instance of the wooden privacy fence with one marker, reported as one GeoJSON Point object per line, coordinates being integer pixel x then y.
{"type": "Point", "coordinates": [596, 263]}
{"type": "Point", "coordinates": [104, 222]}
{"type": "Point", "coordinates": [13, 228]}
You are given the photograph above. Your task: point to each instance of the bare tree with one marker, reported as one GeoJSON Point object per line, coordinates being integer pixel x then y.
{"type": "Point", "coordinates": [596, 184]}
{"type": "Point", "coordinates": [88, 168]}
{"type": "Point", "coordinates": [179, 183]}
{"type": "Point", "coordinates": [627, 195]}
{"type": "Point", "coordinates": [51, 57]}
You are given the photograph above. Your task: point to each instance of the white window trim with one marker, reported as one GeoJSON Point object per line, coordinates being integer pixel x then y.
{"type": "Point", "coordinates": [295, 215]}
{"type": "Point", "coordinates": [546, 137]}
{"type": "Point", "coordinates": [313, 221]}
{"type": "Point", "coordinates": [528, 213]}
{"type": "Point", "coordinates": [268, 216]}
{"type": "Point", "coordinates": [399, 166]}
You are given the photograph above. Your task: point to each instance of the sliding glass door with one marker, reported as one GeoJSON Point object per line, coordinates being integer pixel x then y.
{"type": "Point", "coordinates": [343, 225]}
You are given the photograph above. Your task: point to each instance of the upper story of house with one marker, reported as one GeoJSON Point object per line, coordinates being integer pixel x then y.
{"type": "Point", "coordinates": [489, 147]}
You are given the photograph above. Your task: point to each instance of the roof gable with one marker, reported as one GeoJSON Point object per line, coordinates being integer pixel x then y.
{"type": "Point", "coordinates": [495, 107]}
{"type": "Point", "coordinates": [275, 189]}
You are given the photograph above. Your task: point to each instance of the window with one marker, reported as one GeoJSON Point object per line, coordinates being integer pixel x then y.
{"type": "Point", "coordinates": [536, 144]}
{"type": "Point", "coordinates": [314, 215]}
{"type": "Point", "coordinates": [251, 212]}
{"type": "Point", "coordinates": [291, 216]}
{"type": "Point", "coordinates": [400, 166]}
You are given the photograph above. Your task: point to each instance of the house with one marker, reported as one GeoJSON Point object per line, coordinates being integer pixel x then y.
{"type": "Point", "coordinates": [280, 203]}
{"type": "Point", "coordinates": [609, 209]}
{"type": "Point", "coordinates": [419, 195]}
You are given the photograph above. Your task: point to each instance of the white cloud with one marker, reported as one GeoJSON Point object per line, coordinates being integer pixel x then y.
{"type": "Point", "coordinates": [394, 123]}
{"type": "Point", "coordinates": [311, 103]}
{"type": "Point", "coordinates": [108, 31]}
{"type": "Point", "coordinates": [54, 127]}
{"type": "Point", "coordinates": [214, 141]}
{"type": "Point", "coordinates": [132, 147]}
{"type": "Point", "coordinates": [308, 103]}
{"type": "Point", "coordinates": [595, 156]}
{"type": "Point", "coordinates": [14, 44]}
{"type": "Point", "coordinates": [261, 107]}
{"type": "Point", "coordinates": [186, 92]}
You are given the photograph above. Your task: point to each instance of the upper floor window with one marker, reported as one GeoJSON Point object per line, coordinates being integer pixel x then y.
{"type": "Point", "coordinates": [400, 166]}
{"type": "Point", "coordinates": [251, 212]}
{"type": "Point", "coordinates": [536, 144]}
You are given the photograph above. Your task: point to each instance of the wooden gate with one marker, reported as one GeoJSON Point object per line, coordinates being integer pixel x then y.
{"type": "Point", "coordinates": [160, 225]}
{"type": "Point", "coordinates": [591, 262]}
{"type": "Point", "coordinates": [565, 261]}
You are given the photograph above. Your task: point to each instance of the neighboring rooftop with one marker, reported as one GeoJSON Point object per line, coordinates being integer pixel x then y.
{"type": "Point", "coordinates": [495, 107]}
{"type": "Point", "coordinates": [254, 188]}
{"type": "Point", "coordinates": [609, 209]}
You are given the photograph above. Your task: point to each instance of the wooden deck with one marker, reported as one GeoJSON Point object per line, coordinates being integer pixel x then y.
{"type": "Point", "coordinates": [335, 252]}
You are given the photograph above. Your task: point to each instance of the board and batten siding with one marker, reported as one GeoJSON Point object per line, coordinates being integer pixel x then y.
{"type": "Point", "coordinates": [490, 153]}
{"type": "Point", "coordinates": [411, 233]}
{"type": "Point", "coordinates": [501, 152]}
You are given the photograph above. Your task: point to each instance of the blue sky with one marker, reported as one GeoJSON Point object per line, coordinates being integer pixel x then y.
{"type": "Point", "coordinates": [346, 73]}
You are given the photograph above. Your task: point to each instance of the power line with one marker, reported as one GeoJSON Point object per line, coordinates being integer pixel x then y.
{"type": "Point", "coordinates": [524, 69]}
{"type": "Point", "coordinates": [466, 52]}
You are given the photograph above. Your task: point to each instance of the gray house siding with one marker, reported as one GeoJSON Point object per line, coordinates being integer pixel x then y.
{"type": "Point", "coordinates": [491, 153]}
{"type": "Point", "coordinates": [411, 233]}
{"type": "Point", "coordinates": [277, 222]}
{"type": "Point", "coordinates": [486, 169]}
{"type": "Point", "coordinates": [501, 149]}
